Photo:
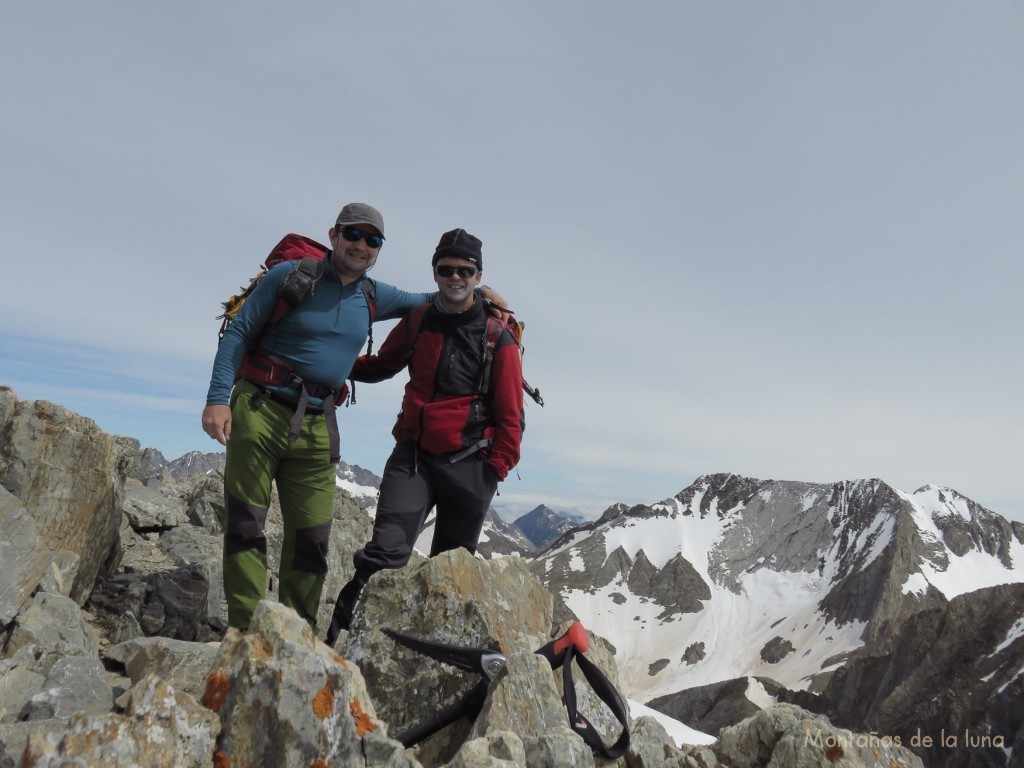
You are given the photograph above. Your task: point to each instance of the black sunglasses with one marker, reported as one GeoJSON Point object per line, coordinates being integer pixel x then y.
{"type": "Point", "coordinates": [355, 234]}
{"type": "Point", "coordinates": [447, 270]}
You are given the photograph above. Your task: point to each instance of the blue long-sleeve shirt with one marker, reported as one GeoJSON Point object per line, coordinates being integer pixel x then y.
{"type": "Point", "coordinates": [320, 338]}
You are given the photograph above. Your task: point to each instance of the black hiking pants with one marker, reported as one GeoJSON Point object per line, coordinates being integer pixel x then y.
{"type": "Point", "coordinates": [414, 482]}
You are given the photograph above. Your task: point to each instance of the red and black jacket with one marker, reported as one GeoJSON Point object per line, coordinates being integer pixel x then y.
{"type": "Point", "coordinates": [444, 409]}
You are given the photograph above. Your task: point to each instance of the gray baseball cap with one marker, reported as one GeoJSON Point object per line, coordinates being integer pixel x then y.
{"type": "Point", "coordinates": [360, 213]}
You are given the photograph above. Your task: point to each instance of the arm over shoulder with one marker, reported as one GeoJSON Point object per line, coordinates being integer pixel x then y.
{"type": "Point", "coordinates": [392, 357]}
{"type": "Point", "coordinates": [394, 302]}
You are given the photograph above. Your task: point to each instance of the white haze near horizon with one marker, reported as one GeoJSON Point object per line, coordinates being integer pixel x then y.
{"type": "Point", "coordinates": [781, 240]}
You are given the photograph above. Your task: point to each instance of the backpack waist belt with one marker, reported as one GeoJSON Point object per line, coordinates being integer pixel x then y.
{"type": "Point", "coordinates": [263, 368]}
{"type": "Point", "coordinates": [291, 405]}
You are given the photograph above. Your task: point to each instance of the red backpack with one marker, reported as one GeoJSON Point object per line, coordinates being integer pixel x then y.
{"type": "Point", "coordinates": [297, 286]}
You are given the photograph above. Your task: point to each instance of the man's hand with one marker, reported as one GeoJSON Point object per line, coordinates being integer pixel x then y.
{"type": "Point", "coordinates": [217, 422]}
{"type": "Point", "coordinates": [497, 303]}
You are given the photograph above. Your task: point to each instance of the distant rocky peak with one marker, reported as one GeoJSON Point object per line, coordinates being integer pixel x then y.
{"type": "Point", "coordinates": [542, 525]}
{"type": "Point", "coordinates": [964, 525]}
{"type": "Point", "coordinates": [721, 495]}
{"type": "Point", "coordinates": [614, 511]}
{"type": "Point", "coordinates": [147, 463]}
{"type": "Point", "coordinates": [356, 474]}
{"type": "Point", "coordinates": [946, 502]}
{"type": "Point", "coordinates": [194, 463]}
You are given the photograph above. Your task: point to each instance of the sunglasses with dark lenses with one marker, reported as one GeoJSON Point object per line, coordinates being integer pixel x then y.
{"type": "Point", "coordinates": [447, 270]}
{"type": "Point", "coordinates": [355, 234]}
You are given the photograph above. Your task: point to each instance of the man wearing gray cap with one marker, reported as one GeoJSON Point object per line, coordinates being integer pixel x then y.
{"type": "Point", "coordinates": [275, 382]}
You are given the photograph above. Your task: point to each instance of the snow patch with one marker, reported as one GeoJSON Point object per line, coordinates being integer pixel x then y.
{"type": "Point", "coordinates": [916, 584]}
{"type": "Point", "coordinates": [943, 501]}
{"type": "Point", "coordinates": [1014, 633]}
{"type": "Point", "coordinates": [878, 536]}
{"type": "Point", "coordinates": [733, 628]}
{"type": "Point", "coordinates": [658, 537]}
{"type": "Point", "coordinates": [756, 694]}
{"type": "Point", "coordinates": [973, 571]}
{"type": "Point", "coordinates": [1012, 680]}
{"type": "Point", "coordinates": [808, 501]}
{"type": "Point", "coordinates": [680, 733]}
{"type": "Point", "coordinates": [356, 489]}
{"type": "Point", "coordinates": [576, 562]}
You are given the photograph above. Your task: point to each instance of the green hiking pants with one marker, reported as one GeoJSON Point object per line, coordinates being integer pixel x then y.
{"type": "Point", "coordinates": [258, 454]}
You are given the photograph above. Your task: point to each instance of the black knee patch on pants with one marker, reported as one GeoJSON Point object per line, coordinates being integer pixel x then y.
{"type": "Point", "coordinates": [311, 545]}
{"type": "Point", "coordinates": [245, 527]}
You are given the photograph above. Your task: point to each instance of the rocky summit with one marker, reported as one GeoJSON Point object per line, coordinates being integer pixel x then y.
{"type": "Point", "coordinates": [115, 649]}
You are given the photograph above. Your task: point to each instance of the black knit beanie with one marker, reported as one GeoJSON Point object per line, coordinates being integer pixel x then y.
{"type": "Point", "coordinates": [461, 245]}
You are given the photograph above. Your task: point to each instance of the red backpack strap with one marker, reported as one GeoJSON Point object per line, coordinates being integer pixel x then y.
{"type": "Point", "coordinates": [492, 335]}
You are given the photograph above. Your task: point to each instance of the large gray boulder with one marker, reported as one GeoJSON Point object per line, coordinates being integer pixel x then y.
{"type": "Point", "coordinates": [185, 665]}
{"type": "Point", "coordinates": [54, 654]}
{"type": "Point", "coordinates": [28, 562]}
{"type": "Point", "coordinates": [161, 728]}
{"type": "Point", "coordinates": [457, 599]}
{"type": "Point", "coordinates": [69, 475]}
{"type": "Point", "coordinates": [785, 736]}
{"type": "Point", "coordinates": [285, 699]}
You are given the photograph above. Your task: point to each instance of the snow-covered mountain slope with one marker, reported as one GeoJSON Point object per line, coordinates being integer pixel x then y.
{"type": "Point", "coordinates": [356, 489]}
{"type": "Point", "coordinates": [736, 577]}
{"type": "Point", "coordinates": [971, 548]}
{"type": "Point", "coordinates": [361, 484]}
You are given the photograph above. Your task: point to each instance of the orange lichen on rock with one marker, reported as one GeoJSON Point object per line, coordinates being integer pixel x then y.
{"type": "Point", "coordinates": [217, 687]}
{"type": "Point", "coordinates": [320, 763]}
{"type": "Point", "coordinates": [323, 702]}
{"type": "Point", "coordinates": [220, 760]}
{"type": "Point", "coordinates": [363, 721]}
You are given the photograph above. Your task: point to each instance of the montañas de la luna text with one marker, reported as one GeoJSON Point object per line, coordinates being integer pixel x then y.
{"type": "Point", "coordinates": [965, 740]}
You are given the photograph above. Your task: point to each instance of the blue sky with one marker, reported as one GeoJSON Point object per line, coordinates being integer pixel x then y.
{"type": "Point", "coordinates": [776, 239]}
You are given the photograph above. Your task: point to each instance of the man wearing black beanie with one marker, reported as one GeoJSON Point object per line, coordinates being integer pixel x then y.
{"type": "Point", "coordinates": [459, 244]}
{"type": "Point", "coordinates": [459, 432]}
